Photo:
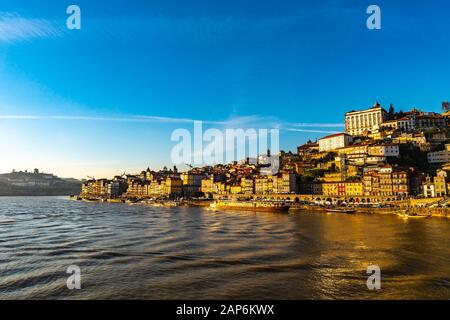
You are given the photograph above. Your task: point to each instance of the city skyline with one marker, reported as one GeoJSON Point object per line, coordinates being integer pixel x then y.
{"type": "Point", "coordinates": [105, 99]}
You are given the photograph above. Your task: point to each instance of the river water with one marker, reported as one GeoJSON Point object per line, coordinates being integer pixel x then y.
{"type": "Point", "coordinates": [137, 252]}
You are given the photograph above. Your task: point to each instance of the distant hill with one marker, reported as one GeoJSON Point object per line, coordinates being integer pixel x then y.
{"type": "Point", "coordinates": [36, 184]}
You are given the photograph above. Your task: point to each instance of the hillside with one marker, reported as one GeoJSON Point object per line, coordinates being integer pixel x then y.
{"type": "Point", "coordinates": [36, 184]}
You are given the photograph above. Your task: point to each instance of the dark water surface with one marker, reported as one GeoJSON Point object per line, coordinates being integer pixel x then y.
{"type": "Point", "coordinates": [141, 252]}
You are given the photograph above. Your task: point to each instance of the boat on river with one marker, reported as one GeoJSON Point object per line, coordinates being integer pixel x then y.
{"type": "Point", "coordinates": [297, 207]}
{"type": "Point", "coordinates": [172, 204]}
{"type": "Point", "coordinates": [267, 206]}
{"type": "Point", "coordinates": [340, 210]}
{"type": "Point", "coordinates": [412, 215]}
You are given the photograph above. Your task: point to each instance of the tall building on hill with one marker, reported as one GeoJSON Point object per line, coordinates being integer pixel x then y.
{"type": "Point", "coordinates": [363, 121]}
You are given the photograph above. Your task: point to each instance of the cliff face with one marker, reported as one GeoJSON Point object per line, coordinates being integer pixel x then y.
{"type": "Point", "coordinates": [32, 184]}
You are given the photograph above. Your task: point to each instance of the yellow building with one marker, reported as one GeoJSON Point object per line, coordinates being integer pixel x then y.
{"type": "Point", "coordinates": [354, 188]}
{"type": "Point", "coordinates": [371, 184]}
{"type": "Point", "coordinates": [214, 184]}
{"type": "Point", "coordinates": [386, 187]}
{"type": "Point", "coordinates": [342, 188]}
{"type": "Point", "coordinates": [208, 185]}
{"type": "Point", "coordinates": [263, 185]}
{"type": "Point", "coordinates": [220, 187]}
{"type": "Point", "coordinates": [248, 185]}
{"type": "Point", "coordinates": [235, 189]}
{"type": "Point", "coordinates": [331, 189]}
{"type": "Point", "coordinates": [136, 188]}
{"type": "Point", "coordinates": [173, 187]}
{"type": "Point", "coordinates": [416, 138]}
{"type": "Point", "coordinates": [87, 188]}
{"type": "Point", "coordinates": [332, 177]}
{"type": "Point", "coordinates": [353, 149]}
{"type": "Point", "coordinates": [386, 182]}
{"type": "Point", "coordinates": [440, 183]}
{"type": "Point", "coordinates": [285, 182]}
{"type": "Point", "coordinates": [378, 135]}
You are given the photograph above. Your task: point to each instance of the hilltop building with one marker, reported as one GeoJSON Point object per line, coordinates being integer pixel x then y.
{"type": "Point", "coordinates": [365, 121]}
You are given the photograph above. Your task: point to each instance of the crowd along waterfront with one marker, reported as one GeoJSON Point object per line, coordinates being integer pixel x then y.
{"type": "Point", "coordinates": [144, 252]}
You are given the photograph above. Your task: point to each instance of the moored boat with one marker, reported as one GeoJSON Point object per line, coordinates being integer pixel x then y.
{"type": "Point", "coordinates": [266, 206]}
{"type": "Point", "coordinates": [416, 216]}
{"type": "Point", "coordinates": [340, 210]}
{"type": "Point", "coordinates": [172, 204]}
{"type": "Point", "coordinates": [116, 200]}
{"type": "Point", "coordinates": [153, 204]}
{"type": "Point", "coordinates": [407, 215]}
{"type": "Point", "coordinates": [297, 207]}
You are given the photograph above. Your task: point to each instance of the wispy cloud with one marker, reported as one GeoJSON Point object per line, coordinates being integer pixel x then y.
{"type": "Point", "coordinates": [234, 121]}
{"type": "Point", "coordinates": [14, 27]}
{"type": "Point", "coordinates": [311, 130]}
{"type": "Point", "coordinates": [319, 125]}
{"type": "Point", "coordinates": [250, 121]}
{"type": "Point", "coordinates": [98, 118]}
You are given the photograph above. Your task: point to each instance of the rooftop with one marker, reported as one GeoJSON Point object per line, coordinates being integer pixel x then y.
{"type": "Point", "coordinates": [335, 135]}
{"type": "Point", "coordinates": [375, 106]}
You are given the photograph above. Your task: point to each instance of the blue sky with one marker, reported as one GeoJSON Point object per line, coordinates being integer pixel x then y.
{"type": "Point", "coordinates": [73, 101]}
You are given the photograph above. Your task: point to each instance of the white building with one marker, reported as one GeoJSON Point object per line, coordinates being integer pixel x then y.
{"type": "Point", "coordinates": [429, 190]}
{"type": "Point", "coordinates": [407, 123]}
{"type": "Point", "coordinates": [384, 150]}
{"type": "Point", "coordinates": [364, 121]}
{"type": "Point", "coordinates": [334, 141]}
{"type": "Point", "coordinates": [438, 157]}
{"type": "Point", "coordinates": [404, 124]}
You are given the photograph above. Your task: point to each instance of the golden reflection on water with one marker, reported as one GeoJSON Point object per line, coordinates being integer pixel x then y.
{"type": "Point", "coordinates": [138, 252]}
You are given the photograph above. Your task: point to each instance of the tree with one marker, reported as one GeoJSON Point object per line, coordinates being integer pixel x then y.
{"type": "Point", "coordinates": [391, 111]}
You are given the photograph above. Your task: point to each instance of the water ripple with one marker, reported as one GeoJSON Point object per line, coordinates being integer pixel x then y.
{"type": "Point", "coordinates": [137, 252]}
